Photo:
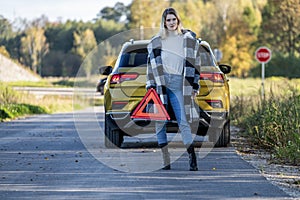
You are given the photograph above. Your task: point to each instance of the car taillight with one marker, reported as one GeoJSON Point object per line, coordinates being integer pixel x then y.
{"type": "Point", "coordinates": [115, 79]}
{"type": "Point", "coordinates": [119, 78]}
{"type": "Point", "coordinates": [215, 103]}
{"type": "Point", "coordinates": [214, 77]}
{"type": "Point", "coordinates": [119, 104]}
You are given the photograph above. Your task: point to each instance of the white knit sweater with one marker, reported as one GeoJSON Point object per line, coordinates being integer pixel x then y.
{"type": "Point", "coordinates": [172, 53]}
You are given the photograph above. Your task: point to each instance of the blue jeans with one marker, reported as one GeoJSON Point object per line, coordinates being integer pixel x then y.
{"type": "Point", "coordinates": [174, 87]}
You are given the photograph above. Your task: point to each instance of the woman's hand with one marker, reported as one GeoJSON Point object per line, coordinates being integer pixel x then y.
{"type": "Point", "coordinates": [150, 86]}
{"type": "Point", "coordinates": [195, 93]}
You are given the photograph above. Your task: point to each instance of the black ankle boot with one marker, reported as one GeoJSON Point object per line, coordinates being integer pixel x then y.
{"type": "Point", "coordinates": [192, 158]}
{"type": "Point", "coordinates": [166, 156]}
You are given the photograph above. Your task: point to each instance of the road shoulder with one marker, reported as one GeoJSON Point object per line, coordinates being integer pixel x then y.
{"type": "Point", "coordinates": [286, 177]}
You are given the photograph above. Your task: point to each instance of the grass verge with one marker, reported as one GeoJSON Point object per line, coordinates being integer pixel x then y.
{"type": "Point", "coordinates": [273, 122]}
{"type": "Point", "coordinates": [15, 104]}
{"type": "Point", "coordinates": [11, 111]}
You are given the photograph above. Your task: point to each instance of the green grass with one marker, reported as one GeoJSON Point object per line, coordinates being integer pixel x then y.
{"type": "Point", "coordinates": [272, 122]}
{"type": "Point", "coordinates": [15, 104]}
{"type": "Point", "coordinates": [8, 95]}
{"type": "Point", "coordinates": [252, 86]}
{"type": "Point", "coordinates": [11, 111]}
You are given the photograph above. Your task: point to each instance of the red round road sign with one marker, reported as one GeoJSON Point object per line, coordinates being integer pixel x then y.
{"type": "Point", "coordinates": [263, 54]}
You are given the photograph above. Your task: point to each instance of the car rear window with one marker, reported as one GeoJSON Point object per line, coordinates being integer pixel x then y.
{"type": "Point", "coordinates": [206, 58]}
{"type": "Point", "coordinates": [134, 58]}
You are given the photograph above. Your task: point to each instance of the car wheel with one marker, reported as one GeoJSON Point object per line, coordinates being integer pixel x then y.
{"type": "Point", "coordinates": [98, 89]}
{"type": "Point", "coordinates": [101, 90]}
{"type": "Point", "coordinates": [221, 138]}
{"type": "Point", "coordinates": [113, 135]}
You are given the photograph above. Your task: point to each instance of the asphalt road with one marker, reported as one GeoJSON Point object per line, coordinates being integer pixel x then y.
{"type": "Point", "coordinates": [52, 157]}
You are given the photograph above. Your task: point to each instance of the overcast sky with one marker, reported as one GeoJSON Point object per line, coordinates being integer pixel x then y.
{"type": "Point", "coordinates": [55, 9]}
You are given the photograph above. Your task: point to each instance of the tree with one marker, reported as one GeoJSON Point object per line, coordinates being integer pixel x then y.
{"type": "Point", "coordinates": [60, 35]}
{"type": "Point", "coordinates": [147, 14]}
{"type": "Point", "coordinates": [6, 30]}
{"type": "Point", "coordinates": [281, 26]}
{"type": "Point", "coordinates": [110, 54]}
{"type": "Point", "coordinates": [33, 48]}
{"type": "Point", "coordinates": [53, 63]}
{"type": "Point", "coordinates": [191, 14]}
{"type": "Point", "coordinates": [4, 52]}
{"type": "Point", "coordinates": [104, 29]}
{"type": "Point", "coordinates": [84, 43]}
{"type": "Point", "coordinates": [118, 13]}
{"type": "Point", "coordinates": [241, 24]}
{"type": "Point", "coordinates": [212, 27]}
{"type": "Point", "coordinates": [6, 33]}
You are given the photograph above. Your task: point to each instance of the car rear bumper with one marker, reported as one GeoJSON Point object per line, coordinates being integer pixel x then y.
{"type": "Point", "coordinates": [138, 126]}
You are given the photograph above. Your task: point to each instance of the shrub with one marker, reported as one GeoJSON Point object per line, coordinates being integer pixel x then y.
{"type": "Point", "coordinates": [12, 106]}
{"type": "Point", "coordinates": [15, 104]}
{"type": "Point", "coordinates": [16, 110]}
{"type": "Point", "coordinates": [8, 95]}
{"type": "Point", "coordinates": [272, 123]}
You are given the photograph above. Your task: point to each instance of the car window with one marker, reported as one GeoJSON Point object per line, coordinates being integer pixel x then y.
{"type": "Point", "coordinates": [206, 58]}
{"type": "Point", "coordinates": [138, 57]}
{"type": "Point", "coordinates": [134, 58]}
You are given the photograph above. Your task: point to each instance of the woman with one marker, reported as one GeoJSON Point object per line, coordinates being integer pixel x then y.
{"type": "Point", "coordinates": [173, 70]}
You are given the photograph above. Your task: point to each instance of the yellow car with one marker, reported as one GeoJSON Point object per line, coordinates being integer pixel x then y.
{"type": "Point", "coordinates": [125, 88]}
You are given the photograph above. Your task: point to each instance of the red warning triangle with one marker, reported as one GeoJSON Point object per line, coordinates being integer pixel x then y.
{"type": "Point", "coordinates": [159, 112]}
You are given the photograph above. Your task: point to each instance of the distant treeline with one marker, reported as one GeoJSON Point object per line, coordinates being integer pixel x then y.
{"type": "Point", "coordinates": [236, 27]}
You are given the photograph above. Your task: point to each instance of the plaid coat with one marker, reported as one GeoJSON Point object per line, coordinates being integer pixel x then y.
{"type": "Point", "coordinates": [191, 70]}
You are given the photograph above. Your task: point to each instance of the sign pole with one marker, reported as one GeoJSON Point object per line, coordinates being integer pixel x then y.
{"type": "Point", "coordinates": [263, 80]}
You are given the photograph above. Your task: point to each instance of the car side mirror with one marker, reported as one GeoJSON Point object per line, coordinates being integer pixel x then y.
{"type": "Point", "coordinates": [105, 70]}
{"type": "Point", "coordinates": [226, 69]}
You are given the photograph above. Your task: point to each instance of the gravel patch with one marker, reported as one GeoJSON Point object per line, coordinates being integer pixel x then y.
{"type": "Point", "coordinates": [286, 177]}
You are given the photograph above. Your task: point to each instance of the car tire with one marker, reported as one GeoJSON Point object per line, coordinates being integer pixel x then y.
{"type": "Point", "coordinates": [113, 135]}
{"type": "Point", "coordinates": [221, 138]}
